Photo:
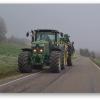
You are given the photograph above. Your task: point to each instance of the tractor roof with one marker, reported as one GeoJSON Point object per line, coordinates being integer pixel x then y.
{"type": "Point", "coordinates": [47, 30]}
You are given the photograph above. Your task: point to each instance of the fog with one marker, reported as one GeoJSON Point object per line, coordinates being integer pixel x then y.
{"type": "Point", "coordinates": [80, 21]}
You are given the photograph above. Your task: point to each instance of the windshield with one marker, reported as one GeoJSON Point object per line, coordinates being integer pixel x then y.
{"type": "Point", "coordinates": [48, 36]}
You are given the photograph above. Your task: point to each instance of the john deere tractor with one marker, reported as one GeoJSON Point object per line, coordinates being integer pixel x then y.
{"type": "Point", "coordinates": [48, 47]}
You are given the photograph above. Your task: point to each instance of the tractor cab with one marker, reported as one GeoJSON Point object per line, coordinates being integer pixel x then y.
{"type": "Point", "coordinates": [47, 35]}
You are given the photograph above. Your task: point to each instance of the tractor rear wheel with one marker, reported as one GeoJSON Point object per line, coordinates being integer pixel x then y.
{"type": "Point", "coordinates": [55, 62]}
{"type": "Point", "coordinates": [24, 62]}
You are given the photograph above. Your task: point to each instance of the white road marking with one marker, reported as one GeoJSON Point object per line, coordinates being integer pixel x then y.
{"type": "Point", "coordinates": [19, 79]}
{"type": "Point", "coordinates": [95, 64]}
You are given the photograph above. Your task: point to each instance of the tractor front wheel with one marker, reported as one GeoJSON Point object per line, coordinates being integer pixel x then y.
{"type": "Point", "coordinates": [55, 62]}
{"type": "Point", "coordinates": [24, 65]}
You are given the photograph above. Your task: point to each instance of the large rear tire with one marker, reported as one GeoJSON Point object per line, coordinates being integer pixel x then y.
{"type": "Point", "coordinates": [55, 62]}
{"type": "Point", "coordinates": [24, 65]}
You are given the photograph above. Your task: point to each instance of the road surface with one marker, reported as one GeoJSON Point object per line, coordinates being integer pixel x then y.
{"type": "Point", "coordinates": [83, 77]}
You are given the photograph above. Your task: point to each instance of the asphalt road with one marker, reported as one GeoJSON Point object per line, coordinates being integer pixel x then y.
{"type": "Point", "coordinates": [83, 77]}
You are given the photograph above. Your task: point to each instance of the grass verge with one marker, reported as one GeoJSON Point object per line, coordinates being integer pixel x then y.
{"type": "Point", "coordinates": [8, 59]}
{"type": "Point", "coordinates": [96, 61]}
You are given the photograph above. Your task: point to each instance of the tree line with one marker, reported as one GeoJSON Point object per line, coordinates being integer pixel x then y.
{"type": "Point", "coordinates": [3, 32]}
{"type": "Point", "coordinates": [3, 29]}
{"type": "Point", "coordinates": [87, 53]}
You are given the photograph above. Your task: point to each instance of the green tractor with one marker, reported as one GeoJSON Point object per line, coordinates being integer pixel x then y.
{"type": "Point", "coordinates": [48, 48]}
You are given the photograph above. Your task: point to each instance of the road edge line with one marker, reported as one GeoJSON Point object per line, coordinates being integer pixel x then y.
{"type": "Point", "coordinates": [19, 79]}
{"type": "Point", "coordinates": [95, 64]}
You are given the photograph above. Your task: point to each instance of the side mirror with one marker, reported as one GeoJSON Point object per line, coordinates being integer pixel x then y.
{"type": "Point", "coordinates": [27, 34]}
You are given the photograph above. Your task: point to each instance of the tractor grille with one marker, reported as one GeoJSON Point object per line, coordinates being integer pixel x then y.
{"type": "Point", "coordinates": [37, 59]}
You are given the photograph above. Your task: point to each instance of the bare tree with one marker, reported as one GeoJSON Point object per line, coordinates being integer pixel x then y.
{"type": "Point", "coordinates": [3, 29]}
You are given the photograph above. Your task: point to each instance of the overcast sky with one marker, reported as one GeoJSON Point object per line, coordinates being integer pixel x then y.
{"type": "Point", "coordinates": [81, 22]}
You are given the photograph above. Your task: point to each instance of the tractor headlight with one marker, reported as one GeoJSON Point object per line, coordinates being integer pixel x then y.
{"type": "Point", "coordinates": [41, 50]}
{"type": "Point", "coordinates": [38, 50]}
{"type": "Point", "coordinates": [34, 50]}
